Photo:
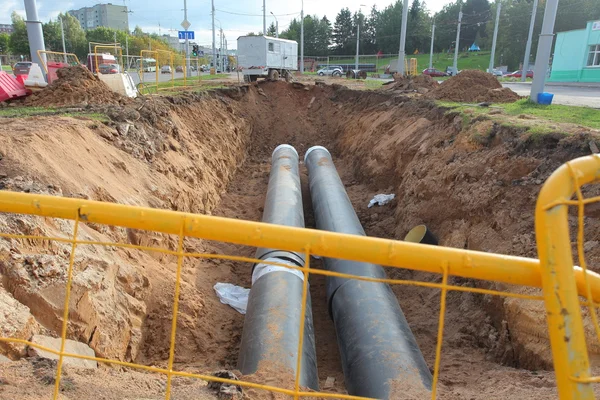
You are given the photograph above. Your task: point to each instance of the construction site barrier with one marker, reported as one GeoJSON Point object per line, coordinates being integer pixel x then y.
{"type": "Point", "coordinates": [562, 283]}
{"type": "Point", "coordinates": [144, 87]}
{"type": "Point", "coordinates": [56, 57]}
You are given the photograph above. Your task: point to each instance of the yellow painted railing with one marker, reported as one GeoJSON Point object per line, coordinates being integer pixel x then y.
{"type": "Point", "coordinates": [562, 282]}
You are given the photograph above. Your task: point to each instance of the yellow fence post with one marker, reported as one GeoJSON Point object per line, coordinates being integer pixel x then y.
{"type": "Point", "coordinates": [565, 324]}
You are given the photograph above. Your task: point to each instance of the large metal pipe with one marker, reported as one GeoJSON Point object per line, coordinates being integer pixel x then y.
{"type": "Point", "coordinates": [376, 344]}
{"type": "Point", "coordinates": [271, 326]}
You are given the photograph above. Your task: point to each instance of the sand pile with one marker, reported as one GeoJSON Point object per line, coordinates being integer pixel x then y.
{"type": "Point", "coordinates": [75, 86]}
{"type": "Point", "coordinates": [419, 83]}
{"type": "Point", "coordinates": [473, 86]}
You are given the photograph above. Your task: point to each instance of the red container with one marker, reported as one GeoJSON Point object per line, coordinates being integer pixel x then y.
{"type": "Point", "coordinates": [52, 68]}
{"type": "Point", "coordinates": [10, 88]}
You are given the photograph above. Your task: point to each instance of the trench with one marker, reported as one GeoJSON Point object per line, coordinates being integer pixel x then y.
{"type": "Point", "coordinates": [392, 144]}
{"type": "Point", "coordinates": [473, 183]}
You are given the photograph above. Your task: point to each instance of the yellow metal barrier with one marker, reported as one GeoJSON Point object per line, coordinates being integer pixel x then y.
{"type": "Point", "coordinates": [158, 67]}
{"type": "Point", "coordinates": [54, 56]}
{"type": "Point", "coordinates": [561, 281]}
{"type": "Point", "coordinates": [118, 55]}
{"type": "Point", "coordinates": [561, 289]}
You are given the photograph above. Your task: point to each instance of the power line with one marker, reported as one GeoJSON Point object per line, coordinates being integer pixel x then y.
{"type": "Point", "coordinates": [255, 15]}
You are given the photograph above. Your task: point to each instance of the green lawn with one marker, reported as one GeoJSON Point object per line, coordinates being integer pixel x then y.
{"type": "Point", "coordinates": [584, 116]}
{"type": "Point", "coordinates": [6, 68]}
{"type": "Point", "coordinates": [474, 60]}
{"type": "Point", "coordinates": [150, 87]}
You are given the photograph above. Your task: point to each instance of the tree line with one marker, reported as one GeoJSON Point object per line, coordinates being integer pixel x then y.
{"type": "Point", "coordinates": [76, 39]}
{"type": "Point", "coordinates": [380, 29]}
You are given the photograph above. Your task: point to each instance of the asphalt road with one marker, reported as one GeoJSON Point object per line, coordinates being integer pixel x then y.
{"type": "Point", "coordinates": [566, 94]}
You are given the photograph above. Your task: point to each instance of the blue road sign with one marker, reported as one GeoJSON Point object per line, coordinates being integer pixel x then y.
{"type": "Point", "coordinates": [186, 35]}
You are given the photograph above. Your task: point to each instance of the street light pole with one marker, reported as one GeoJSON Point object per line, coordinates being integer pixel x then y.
{"type": "Point", "coordinates": [493, 55]}
{"type": "Point", "coordinates": [402, 50]}
{"type": "Point", "coordinates": [188, 72]}
{"type": "Point", "coordinates": [358, 35]}
{"type": "Point", "coordinates": [528, 46]}
{"type": "Point", "coordinates": [431, 48]}
{"type": "Point", "coordinates": [302, 39]}
{"type": "Point", "coordinates": [214, 48]}
{"type": "Point", "coordinates": [457, 44]}
{"type": "Point", "coordinates": [265, 17]}
{"type": "Point", "coordinates": [62, 34]}
{"type": "Point", "coordinates": [34, 32]}
{"type": "Point", "coordinates": [544, 49]}
{"type": "Point", "coordinates": [276, 25]}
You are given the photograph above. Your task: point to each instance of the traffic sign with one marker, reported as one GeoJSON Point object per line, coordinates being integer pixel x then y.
{"type": "Point", "coordinates": [185, 24]}
{"type": "Point", "coordinates": [186, 35]}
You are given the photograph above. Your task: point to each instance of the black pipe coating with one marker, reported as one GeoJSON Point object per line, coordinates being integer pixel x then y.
{"type": "Point", "coordinates": [375, 341]}
{"type": "Point", "coordinates": [272, 322]}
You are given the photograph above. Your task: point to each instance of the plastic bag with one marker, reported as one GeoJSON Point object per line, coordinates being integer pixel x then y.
{"type": "Point", "coordinates": [381, 199]}
{"type": "Point", "coordinates": [235, 296]}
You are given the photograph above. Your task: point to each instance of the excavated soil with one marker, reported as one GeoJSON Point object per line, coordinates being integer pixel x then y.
{"type": "Point", "coordinates": [420, 83]}
{"type": "Point", "coordinates": [75, 86]}
{"type": "Point", "coordinates": [474, 184]}
{"type": "Point", "coordinates": [473, 86]}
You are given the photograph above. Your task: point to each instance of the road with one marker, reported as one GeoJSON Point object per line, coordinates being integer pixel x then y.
{"type": "Point", "coordinates": [566, 94]}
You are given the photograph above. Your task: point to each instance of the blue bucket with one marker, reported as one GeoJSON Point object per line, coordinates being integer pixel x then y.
{"type": "Point", "coordinates": [545, 98]}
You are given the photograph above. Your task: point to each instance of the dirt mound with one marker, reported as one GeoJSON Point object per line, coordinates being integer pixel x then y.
{"type": "Point", "coordinates": [419, 83]}
{"type": "Point", "coordinates": [75, 86]}
{"type": "Point", "coordinates": [473, 86]}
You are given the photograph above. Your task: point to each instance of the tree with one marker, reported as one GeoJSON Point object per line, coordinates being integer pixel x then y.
{"type": "Point", "coordinates": [18, 43]}
{"type": "Point", "coordinates": [4, 40]}
{"type": "Point", "coordinates": [272, 31]}
{"type": "Point", "coordinates": [343, 32]}
{"type": "Point", "coordinates": [75, 37]}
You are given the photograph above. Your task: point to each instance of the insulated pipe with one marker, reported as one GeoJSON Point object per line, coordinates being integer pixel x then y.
{"type": "Point", "coordinates": [272, 322]}
{"type": "Point", "coordinates": [377, 347]}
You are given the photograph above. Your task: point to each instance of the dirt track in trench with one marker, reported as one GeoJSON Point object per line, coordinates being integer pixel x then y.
{"type": "Point", "coordinates": [213, 157]}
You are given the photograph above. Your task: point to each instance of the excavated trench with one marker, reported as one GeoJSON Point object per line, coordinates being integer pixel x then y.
{"type": "Point", "coordinates": [474, 183]}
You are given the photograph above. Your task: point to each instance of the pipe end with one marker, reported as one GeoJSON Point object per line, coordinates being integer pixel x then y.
{"type": "Point", "coordinates": [284, 146]}
{"type": "Point", "coordinates": [312, 149]}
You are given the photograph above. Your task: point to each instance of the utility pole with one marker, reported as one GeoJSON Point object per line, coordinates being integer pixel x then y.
{"type": "Point", "coordinates": [127, 49]}
{"type": "Point", "coordinates": [302, 39]}
{"type": "Point", "coordinates": [402, 50]}
{"type": "Point", "coordinates": [528, 46]}
{"type": "Point", "coordinates": [431, 48]}
{"type": "Point", "coordinates": [544, 49]}
{"type": "Point", "coordinates": [221, 49]}
{"type": "Point", "coordinates": [493, 55]}
{"type": "Point", "coordinates": [265, 17]}
{"type": "Point", "coordinates": [214, 48]}
{"type": "Point", "coordinates": [62, 35]}
{"type": "Point", "coordinates": [34, 32]}
{"type": "Point", "coordinates": [357, 43]}
{"type": "Point", "coordinates": [457, 44]}
{"type": "Point", "coordinates": [116, 53]}
{"type": "Point", "coordinates": [188, 72]}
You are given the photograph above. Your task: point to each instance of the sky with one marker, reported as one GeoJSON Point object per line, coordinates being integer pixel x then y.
{"type": "Point", "coordinates": [165, 16]}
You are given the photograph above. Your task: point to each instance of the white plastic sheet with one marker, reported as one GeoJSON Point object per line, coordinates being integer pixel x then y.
{"type": "Point", "coordinates": [381, 199]}
{"type": "Point", "coordinates": [235, 296]}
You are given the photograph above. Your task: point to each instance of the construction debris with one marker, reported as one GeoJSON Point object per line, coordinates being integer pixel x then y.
{"type": "Point", "coordinates": [419, 83]}
{"type": "Point", "coordinates": [71, 346]}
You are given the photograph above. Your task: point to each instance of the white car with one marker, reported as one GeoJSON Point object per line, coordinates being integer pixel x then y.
{"type": "Point", "coordinates": [333, 70]}
{"type": "Point", "coordinates": [497, 72]}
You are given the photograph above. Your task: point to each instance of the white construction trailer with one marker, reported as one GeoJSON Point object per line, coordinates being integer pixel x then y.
{"type": "Point", "coordinates": [266, 57]}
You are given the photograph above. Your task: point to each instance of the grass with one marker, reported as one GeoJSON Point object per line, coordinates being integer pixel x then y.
{"type": "Point", "coordinates": [372, 84]}
{"type": "Point", "coordinates": [583, 116]}
{"type": "Point", "coordinates": [475, 60]}
{"type": "Point", "coordinates": [7, 68]}
{"type": "Point", "coordinates": [150, 87]}
{"type": "Point", "coordinates": [23, 112]}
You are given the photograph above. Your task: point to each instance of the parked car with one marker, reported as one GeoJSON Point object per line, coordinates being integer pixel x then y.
{"type": "Point", "coordinates": [451, 72]}
{"type": "Point", "coordinates": [108, 68]}
{"type": "Point", "coordinates": [165, 69]}
{"type": "Point", "coordinates": [333, 70]}
{"type": "Point", "coordinates": [519, 73]}
{"type": "Point", "coordinates": [21, 68]}
{"type": "Point", "coordinates": [179, 68]}
{"type": "Point", "coordinates": [434, 72]}
{"type": "Point", "coordinates": [497, 72]}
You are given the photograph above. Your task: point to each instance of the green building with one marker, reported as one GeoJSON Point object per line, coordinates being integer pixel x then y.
{"type": "Point", "coordinates": [577, 55]}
